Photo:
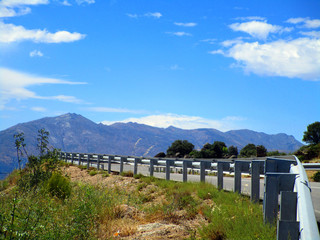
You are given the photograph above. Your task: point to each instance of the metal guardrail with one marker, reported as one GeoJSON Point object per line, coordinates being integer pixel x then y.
{"type": "Point", "coordinates": [284, 177]}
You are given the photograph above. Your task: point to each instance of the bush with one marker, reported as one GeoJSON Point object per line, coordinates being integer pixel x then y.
{"type": "Point", "coordinates": [127, 174]}
{"type": "Point", "coordinates": [316, 176]}
{"type": "Point", "coordinates": [93, 172]}
{"type": "Point", "coordinates": [59, 186]}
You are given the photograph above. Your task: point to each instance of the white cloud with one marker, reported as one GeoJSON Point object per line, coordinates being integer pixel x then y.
{"type": "Point", "coordinates": [38, 109]}
{"type": "Point", "coordinates": [175, 67]}
{"type": "Point", "coordinates": [149, 14]}
{"type": "Point", "coordinates": [155, 14]}
{"type": "Point", "coordinates": [295, 58]}
{"type": "Point", "coordinates": [14, 3]}
{"type": "Point", "coordinates": [114, 110]}
{"type": "Point", "coordinates": [251, 18]}
{"type": "Point", "coordinates": [209, 40]}
{"type": "Point", "coordinates": [315, 34]}
{"type": "Point", "coordinates": [307, 23]}
{"type": "Point", "coordinates": [85, 1]}
{"type": "Point", "coordinates": [191, 24]}
{"type": "Point", "coordinates": [36, 53]}
{"type": "Point", "coordinates": [66, 3]}
{"type": "Point", "coordinates": [12, 33]}
{"type": "Point", "coordinates": [14, 84]}
{"type": "Point", "coordinates": [258, 29]}
{"type": "Point", "coordinates": [183, 121]}
{"type": "Point", "coordinates": [8, 7]}
{"type": "Point", "coordinates": [179, 34]}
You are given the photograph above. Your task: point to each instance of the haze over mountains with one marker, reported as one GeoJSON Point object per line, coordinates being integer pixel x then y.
{"type": "Point", "coordinates": [75, 133]}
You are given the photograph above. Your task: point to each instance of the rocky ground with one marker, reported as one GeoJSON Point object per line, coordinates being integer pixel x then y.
{"type": "Point", "coordinates": [134, 222]}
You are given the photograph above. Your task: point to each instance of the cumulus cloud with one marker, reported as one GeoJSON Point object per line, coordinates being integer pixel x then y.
{"type": "Point", "coordinates": [14, 85]}
{"type": "Point", "coordinates": [314, 34]}
{"type": "Point", "coordinates": [190, 24]}
{"type": "Point", "coordinates": [12, 33]}
{"type": "Point", "coordinates": [258, 29]}
{"type": "Point", "coordinates": [12, 8]}
{"type": "Point", "coordinates": [294, 58]}
{"type": "Point", "coordinates": [306, 22]}
{"type": "Point", "coordinates": [183, 121]}
{"type": "Point", "coordinates": [36, 53]}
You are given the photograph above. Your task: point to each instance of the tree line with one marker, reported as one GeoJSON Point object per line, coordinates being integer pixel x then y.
{"type": "Point", "coordinates": [218, 149]}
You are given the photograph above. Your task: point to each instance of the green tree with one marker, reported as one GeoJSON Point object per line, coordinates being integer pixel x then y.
{"type": "Point", "coordinates": [261, 151]}
{"type": "Point", "coordinates": [312, 135]}
{"type": "Point", "coordinates": [215, 150]}
{"type": "Point", "coordinates": [180, 148]}
{"type": "Point", "coordinates": [249, 150]}
{"type": "Point", "coordinates": [43, 141]}
{"type": "Point", "coordinates": [232, 151]}
{"type": "Point", "coordinates": [20, 145]}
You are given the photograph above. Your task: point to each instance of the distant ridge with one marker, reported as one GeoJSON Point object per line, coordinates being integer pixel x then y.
{"type": "Point", "coordinates": [73, 132]}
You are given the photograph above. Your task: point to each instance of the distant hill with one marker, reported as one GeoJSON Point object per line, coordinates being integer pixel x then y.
{"type": "Point", "coordinates": [73, 132]}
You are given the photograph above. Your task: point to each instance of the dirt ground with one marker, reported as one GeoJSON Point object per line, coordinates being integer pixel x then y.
{"type": "Point", "coordinates": [133, 223]}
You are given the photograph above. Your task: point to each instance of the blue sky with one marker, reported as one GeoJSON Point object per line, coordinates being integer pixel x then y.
{"type": "Point", "coordinates": [191, 64]}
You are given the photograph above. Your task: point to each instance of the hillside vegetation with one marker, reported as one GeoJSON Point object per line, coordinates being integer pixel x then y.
{"type": "Point", "coordinates": [85, 204]}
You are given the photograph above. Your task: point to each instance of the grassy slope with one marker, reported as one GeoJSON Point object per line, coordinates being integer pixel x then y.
{"type": "Point", "coordinates": [112, 207]}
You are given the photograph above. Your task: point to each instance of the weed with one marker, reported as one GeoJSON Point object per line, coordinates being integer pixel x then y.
{"type": "Point", "coordinates": [59, 186]}
{"type": "Point", "coordinates": [138, 176]}
{"type": "Point", "coordinates": [127, 174]}
{"type": "Point", "coordinates": [93, 172]}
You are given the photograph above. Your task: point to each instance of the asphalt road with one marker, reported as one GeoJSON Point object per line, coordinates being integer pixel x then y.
{"type": "Point", "coordinates": [228, 183]}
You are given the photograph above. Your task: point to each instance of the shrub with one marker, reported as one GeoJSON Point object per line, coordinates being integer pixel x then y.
{"type": "Point", "coordinates": [127, 174]}
{"type": "Point", "coordinates": [93, 172]}
{"type": "Point", "coordinates": [138, 176]}
{"type": "Point", "coordinates": [316, 176]}
{"type": "Point", "coordinates": [59, 186]}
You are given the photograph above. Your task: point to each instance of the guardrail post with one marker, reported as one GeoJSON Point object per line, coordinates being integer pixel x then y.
{"type": "Point", "coordinates": [110, 158]}
{"type": "Point", "coordinates": [237, 176]}
{"type": "Point", "coordinates": [121, 164]}
{"type": "Point", "coordinates": [255, 181]}
{"type": "Point", "coordinates": [151, 167]}
{"type": "Point", "coordinates": [167, 170]}
{"type": "Point", "coordinates": [202, 171]}
{"type": "Point", "coordinates": [79, 159]}
{"type": "Point", "coordinates": [184, 171]}
{"type": "Point", "coordinates": [135, 166]}
{"type": "Point", "coordinates": [88, 161]}
{"type": "Point", "coordinates": [98, 162]}
{"type": "Point", "coordinates": [220, 175]}
{"type": "Point", "coordinates": [72, 158]}
{"type": "Point", "coordinates": [274, 184]}
{"type": "Point", "coordinates": [288, 227]}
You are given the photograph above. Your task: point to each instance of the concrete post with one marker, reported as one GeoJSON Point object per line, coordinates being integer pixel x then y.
{"type": "Point", "coordinates": [79, 162]}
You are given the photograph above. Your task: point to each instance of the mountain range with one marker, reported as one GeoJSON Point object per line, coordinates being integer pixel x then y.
{"type": "Point", "coordinates": [75, 133]}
